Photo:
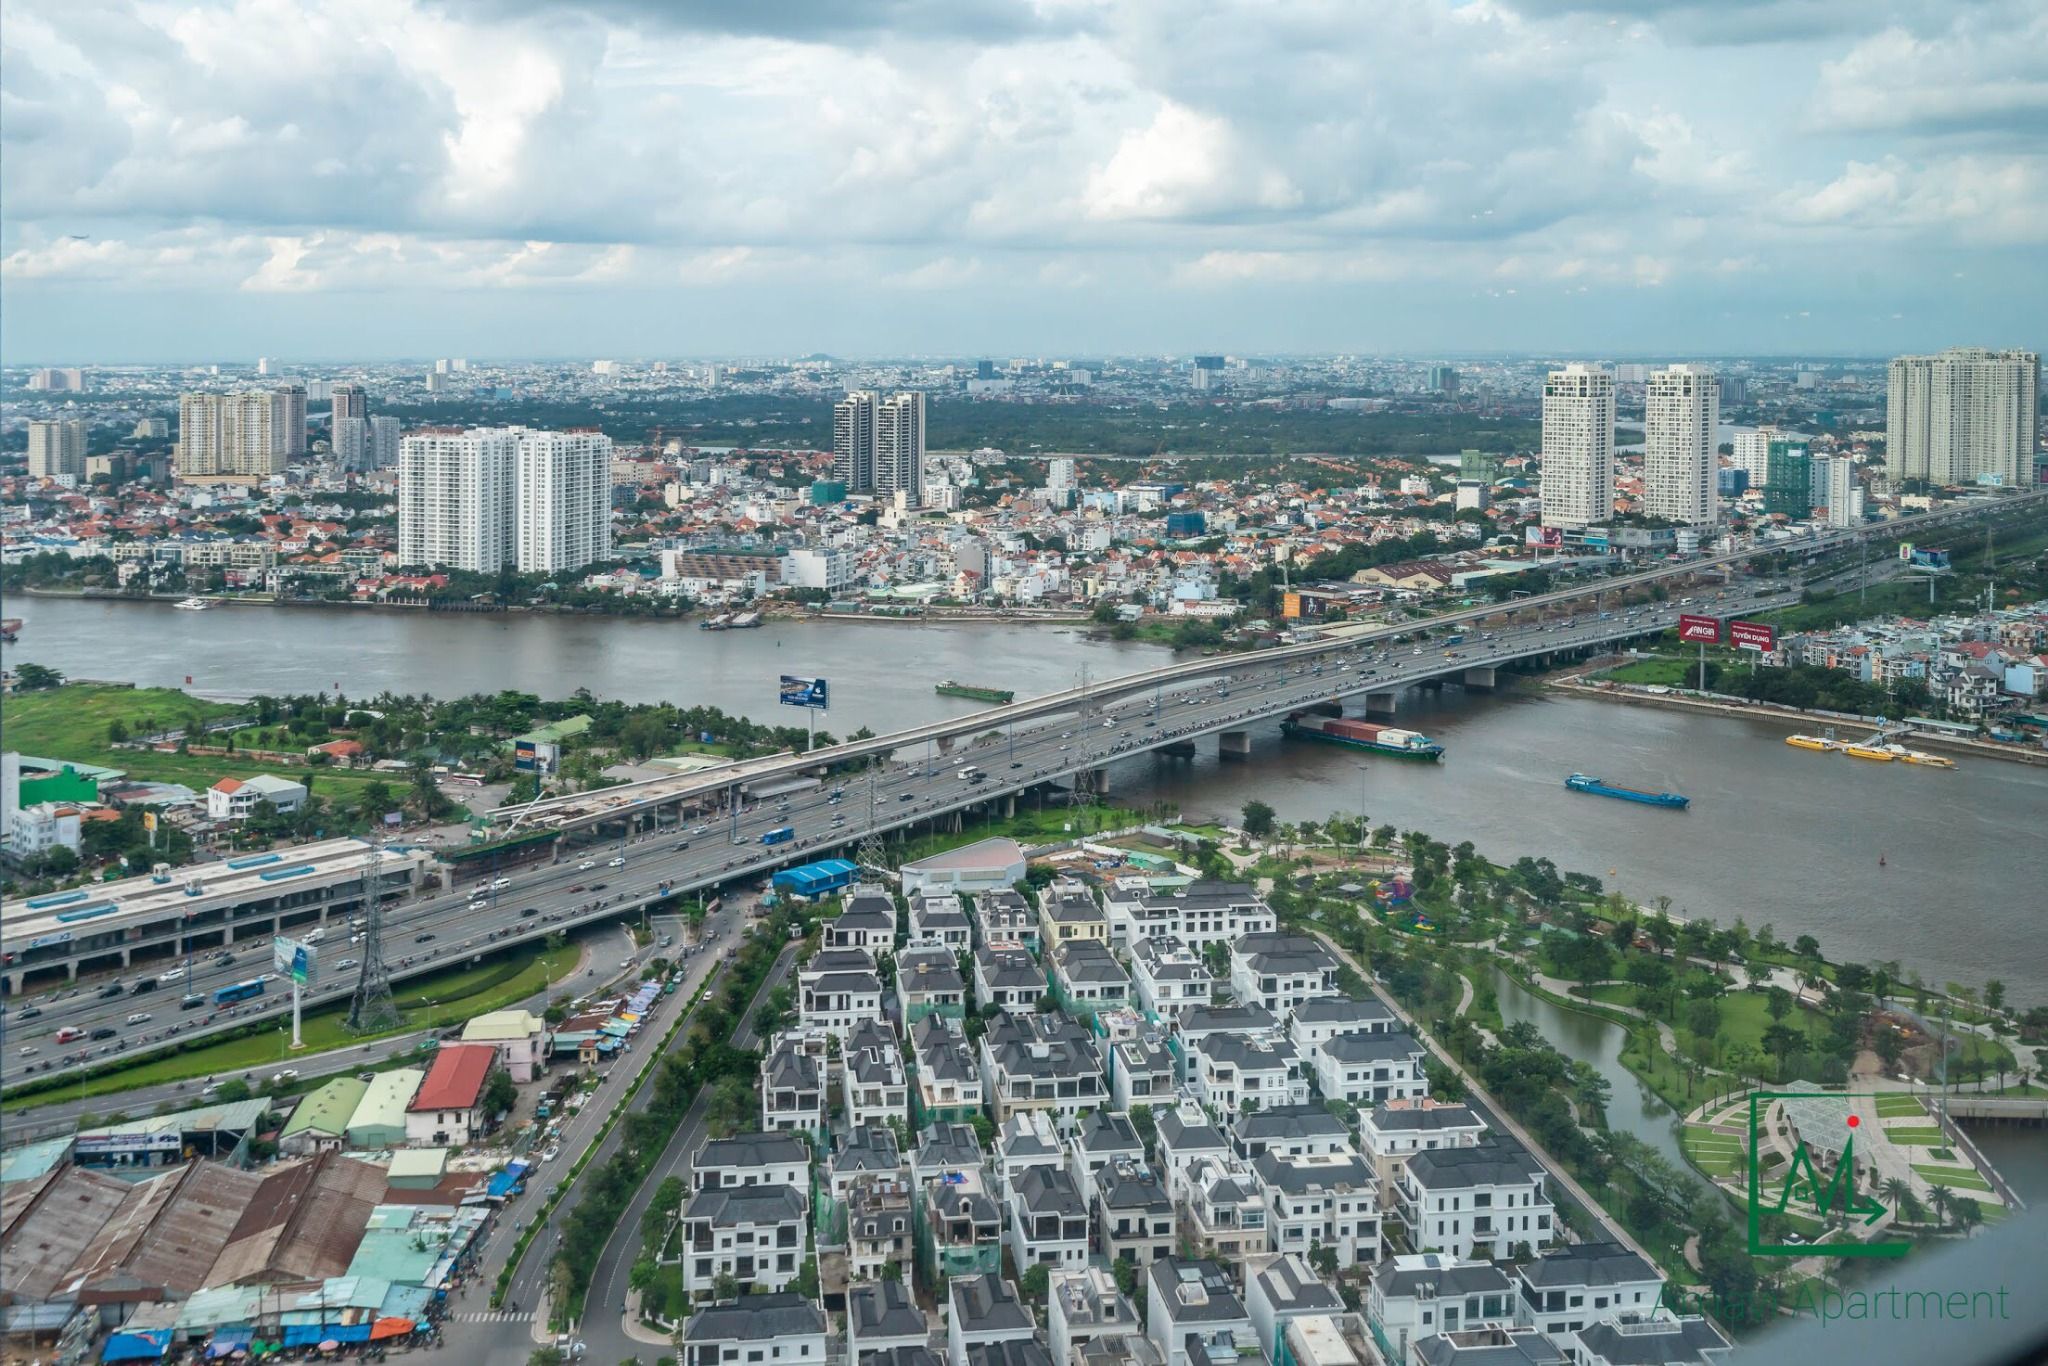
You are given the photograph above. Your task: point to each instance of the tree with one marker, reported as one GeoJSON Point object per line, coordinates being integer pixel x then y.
{"type": "Point", "coordinates": [1943, 1199]}
{"type": "Point", "coordinates": [1033, 1283]}
{"type": "Point", "coordinates": [1806, 946]}
{"type": "Point", "coordinates": [500, 1095]}
{"type": "Point", "coordinates": [1782, 1042]}
{"type": "Point", "coordinates": [36, 678]}
{"type": "Point", "coordinates": [233, 1090]}
{"type": "Point", "coordinates": [1994, 994]}
{"type": "Point", "coordinates": [1258, 819]}
{"type": "Point", "coordinates": [546, 1356]}
{"type": "Point", "coordinates": [117, 731]}
{"type": "Point", "coordinates": [1778, 1003]}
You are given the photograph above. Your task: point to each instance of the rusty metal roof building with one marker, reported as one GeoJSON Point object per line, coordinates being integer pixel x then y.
{"type": "Point", "coordinates": [46, 1233]}
{"type": "Point", "coordinates": [303, 1223]}
{"type": "Point", "coordinates": [163, 1243]}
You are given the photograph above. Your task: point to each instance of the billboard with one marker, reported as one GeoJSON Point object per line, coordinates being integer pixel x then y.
{"type": "Point", "coordinates": [1704, 630]}
{"type": "Point", "coordinates": [1290, 605]}
{"type": "Point", "coordinates": [1753, 635]}
{"type": "Point", "coordinates": [803, 692]}
{"type": "Point", "coordinates": [298, 961]}
{"type": "Point", "coordinates": [525, 756]}
{"type": "Point", "coordinates": [1548, 537]}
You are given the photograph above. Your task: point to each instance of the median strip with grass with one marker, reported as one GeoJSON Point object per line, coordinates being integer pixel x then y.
{"type": "Point", "coordinates": [1963, 1178]}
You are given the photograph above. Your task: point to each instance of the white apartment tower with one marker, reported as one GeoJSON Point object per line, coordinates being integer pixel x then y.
{"type": "Point", "coordinates": [291, 400]}
{"type": "Point", "coordinates": [1752, 453]}
{"type": "Point", "coordinates": [57, 449]}
{"type": "Point", "coordinates": [1965, 416]}
{"type": "Point", "coordinates": [853, 441]}
{"type": "Point", "coordinates": [1681, 415]}
{"type": "Point", "coordinates": [1578, 446]}
{"type": "Point", "coordinates": [384, 435]}
{"type": "Point", "coordinates": [489, 497]}
{"type": "Point", "coordinates": [350, 437]}
{"type": "Point", "coordinates": [899, 447]}
{"type": "Point", "coordinates": [563, 501]}
{"type": "Point", "coordinates": [1059, 473]}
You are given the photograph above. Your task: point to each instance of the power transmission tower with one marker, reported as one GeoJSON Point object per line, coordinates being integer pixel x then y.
{"type": "Point", "coordinates": [373, 1009]}
{"type": "Point", "coordinates": [869, 854]}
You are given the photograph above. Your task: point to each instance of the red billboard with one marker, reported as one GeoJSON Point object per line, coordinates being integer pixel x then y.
{"type": "Point", "coordinates": [1705, 630]}
{"type": "Point", "coordinates": [1753, 635]}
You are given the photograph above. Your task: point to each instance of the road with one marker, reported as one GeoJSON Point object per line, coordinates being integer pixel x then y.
{"type": "Point", "coordinates": [505, 1337]}
{"type": "Point", "coordinates": [616, 878]}
{"type": "Point", "coordinates": [599, 972]}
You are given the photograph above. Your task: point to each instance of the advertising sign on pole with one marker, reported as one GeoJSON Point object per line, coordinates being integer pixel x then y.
{"type": "Point", "coordinates": [1547, 537]}
{"type": "Point", "coordinates": [1753, 635]}
{"type": "Point", "coordinates": [294, 959]}
{"type": "Point", "coordinates": [803, 692]}
{"type": "Point", "coordinates": [1704, 630]}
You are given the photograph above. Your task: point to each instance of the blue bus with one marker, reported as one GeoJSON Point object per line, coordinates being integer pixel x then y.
{"type": "Point", "coordinates": [240, 991]}
{"type": "Point", "coordinates": [780, 835]}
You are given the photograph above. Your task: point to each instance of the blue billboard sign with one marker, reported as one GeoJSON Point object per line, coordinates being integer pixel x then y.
{"type": "Point", "coordinates": [803, 692]}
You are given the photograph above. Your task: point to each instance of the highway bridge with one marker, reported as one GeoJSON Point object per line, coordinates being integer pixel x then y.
{"type": "Point", "coordinates": [647, 844]}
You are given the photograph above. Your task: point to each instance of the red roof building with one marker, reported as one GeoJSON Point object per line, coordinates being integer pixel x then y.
{"type": "Point", "coordinates": [448, 1108]}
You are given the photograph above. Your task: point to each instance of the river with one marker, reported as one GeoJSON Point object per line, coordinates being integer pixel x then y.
{"type": "Point", "coordinates": [1776, 835]}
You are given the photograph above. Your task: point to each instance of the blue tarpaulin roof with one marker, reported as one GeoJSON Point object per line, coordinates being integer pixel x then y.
{"type": "Point", "coordinates": [147, 1345]}
{"type": "Point", "coordinates": [229, 1341]}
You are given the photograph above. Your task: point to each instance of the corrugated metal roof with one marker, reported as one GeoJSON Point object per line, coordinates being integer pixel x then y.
{"type": "Point", "coordinates": [304, 1223]}
{"type": "Point", "coordinates": [48, 1232]}
{"type": "Point", "coordinates": [171, 1238]}
{"type": "Point", "coordinates": [385, 1099]}
{"type": "Point", "coordinates": [327, 1110]}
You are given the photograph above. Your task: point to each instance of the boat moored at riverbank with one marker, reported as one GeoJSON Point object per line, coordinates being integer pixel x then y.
{"type": "Point", "coordinates": [1579, 782]}
{"type": "Point", "coordinates": [1817, 742]}
{"type": "Point", "coordinates": [1880, 754]}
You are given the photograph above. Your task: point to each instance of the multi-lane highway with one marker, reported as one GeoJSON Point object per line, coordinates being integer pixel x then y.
{"type": "Point", "coordinates": [609, 879]}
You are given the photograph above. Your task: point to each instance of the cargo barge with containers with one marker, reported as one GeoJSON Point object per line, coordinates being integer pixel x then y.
{"type": "Point", "coordinates": [1579, 782]}
{"type": "Point", "coordinates": [1339, 730]}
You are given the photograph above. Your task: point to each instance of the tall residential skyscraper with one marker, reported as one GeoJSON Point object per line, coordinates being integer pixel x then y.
{"type": "Point", "coordinates": [350, 401]}
{"type": "Point", "coordinates": [878, 443]}
{"type": "Point", "coordinates": [1752, 453]}
{"type": "Point", "coordinates": [292, 404]}
{"type": "Point", "coordinates": [1836, 490]}
{"type": "Point", "coordinates": [1681, 414]}
{"type": "Point", "coordinates": [853, 441]}
{"type": "Point", "coordinates": [1577, 489]}
{"type": "Point", "coordinates": [57, 449]}
{"type": "Point", "coordinates": [455, 493]}
{"type": "Point", "coordinates": [236, 436]}
{"type": "Point", "coordinates": [563, 501]}
{"type": "Point", "coordinates": [1965, 416]}
{"type": "Point", "coordinates": [899, 447]}
{"type": "Point", "coordinates": [489, 497]}
{"type": "Point", "coordinates": [384, 437]}
{"type": "Point", "coordinates": [1059, 473]}
{"type": "Point", "coordinates": [350, 438]}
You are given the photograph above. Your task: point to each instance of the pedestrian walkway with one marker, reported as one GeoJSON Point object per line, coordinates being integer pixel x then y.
{"type": "Point", "coordinates": [492, 1316]}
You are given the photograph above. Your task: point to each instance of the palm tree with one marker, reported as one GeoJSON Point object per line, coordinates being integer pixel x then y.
{"type": "Point", "coordinates": [1897, 1191]}
{"type": "Point", "coordinates": [1969, 1212]}
{"type": "Point", "coordinates": [1941, 1197]}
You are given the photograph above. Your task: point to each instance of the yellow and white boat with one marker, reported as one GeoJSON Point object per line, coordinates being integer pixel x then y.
{"type": "Point", "coordinates": [1812, 742]}
{"type": "Point", "coordinates": [1926, 760]}
{"type": "Point", "coordinates": [1874, 752]}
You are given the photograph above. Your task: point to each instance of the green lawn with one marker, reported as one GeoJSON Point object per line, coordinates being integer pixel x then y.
{"type": "Point", "coordinates": [1893, 1104]}
{"type": "Point", "coordinates": [1956, 1178]}
{"type": "Point", "coordinates": [1715, 1154]}
{"type": "Point", "coordinates": [435, 1002]}
{"type": "Point", "coordinates": [71, 723]}
{"type": "Point", "coordinates": [1915, 1133]}
{"type": "Point", "coordinates": [1669, 673]}
{"type": "Point", "coordinates": [1027, 827]}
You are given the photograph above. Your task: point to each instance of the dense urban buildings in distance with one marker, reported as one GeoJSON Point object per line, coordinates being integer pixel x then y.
{"type": "Point", "coordinates": [490, 498]}
{"type": "Point", "coordinates": [1965, 416]}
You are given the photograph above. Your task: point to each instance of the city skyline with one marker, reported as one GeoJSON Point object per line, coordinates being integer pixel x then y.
{"type": "Point", "coordinates": [1566, 179]}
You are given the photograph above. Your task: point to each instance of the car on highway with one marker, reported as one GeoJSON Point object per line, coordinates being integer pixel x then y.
{"type": "Point", "coordinates": [139, 1017]}
{"type": "Point", "coordinates": [618, 862]}
{"type": "Point", "coordinates": [111, 990]}
{"type": "Point", "coordinates": [173, 975]}
{"type": "Point", "coordinates": [28, 1012]}
{"type": "Point", "coordinates": [288, 1074]}
{"type": "Point", "coordinates": [586, 865]}
{"type": "Point", "coordinates": [30, 1051]}
{"type": "Point", "coordinates": [499, 884]}
{"type": "Point", "coordinates": [345, 963]}
{"type": "Point", "coordinates": [105, 1032]}
{"type": "Point", "coordinates": [427, 938]}
{"type": "Point", "coordinates": [195, 1001]}
{"type": "Point", "coordinates": [681, 845]}
{"type": "Point", "coordinates": [906, 797]}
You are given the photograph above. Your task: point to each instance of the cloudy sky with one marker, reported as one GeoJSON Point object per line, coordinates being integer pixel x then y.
{"type": "Point", "coordinates": [219, 179]}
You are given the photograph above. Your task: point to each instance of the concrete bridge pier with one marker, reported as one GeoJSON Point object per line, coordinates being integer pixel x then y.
{"type": "Point", "coordinates": [1178, 749]}
{"type": "Point", "coordinates": [1381, 703]}
{"type": "Point", "coordinates": [1482, 678]}
{"type": "Point", "coordinates": [1092, 782]}
{"type": "Point", "coordinates": [1234, 744]}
